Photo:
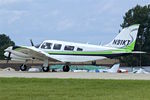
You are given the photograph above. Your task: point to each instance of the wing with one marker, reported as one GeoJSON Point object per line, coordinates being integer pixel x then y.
{"type": "Point", "coordinates": [28, 52]}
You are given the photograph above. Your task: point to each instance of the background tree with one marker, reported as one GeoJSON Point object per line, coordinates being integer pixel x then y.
{"type": "Point", "coordinates": [5, 42]}
{"type": "Point", "coordinates": [139, 15]}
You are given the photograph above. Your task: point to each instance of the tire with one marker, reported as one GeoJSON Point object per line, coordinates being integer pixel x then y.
{"type": "Point", "coordinates": [93, 62]}
{"type": "Point", "coordinates": [23, 67]}
{"type": "Point", "coordinates": [66, 68]}
{"type": "Point", "coordinates": [45, 69]}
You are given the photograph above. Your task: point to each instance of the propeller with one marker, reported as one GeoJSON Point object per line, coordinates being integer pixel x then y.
{"type": "Point", "coordinates": [8, 58]}
{"type": "Point", "coordinates": [31, 42]}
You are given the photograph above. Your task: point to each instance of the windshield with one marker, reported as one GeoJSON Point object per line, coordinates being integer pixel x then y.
{"type": "Point", "coordinates": [46, 45]}
{"type": "Point", "coordinates": [37, 46]}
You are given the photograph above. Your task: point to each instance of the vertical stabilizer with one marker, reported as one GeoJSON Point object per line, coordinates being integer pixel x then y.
{"type": "Point", "coordinates": [126, 38]}
{"type": "Point", "coordinates": [114, 68]}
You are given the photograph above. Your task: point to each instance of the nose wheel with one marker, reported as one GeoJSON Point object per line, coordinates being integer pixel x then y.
{"type": "Point", "coordinates": [45, 69]}
{"type": "Point", "coordinates": [23, 67]}
{"type": "Point", "coordinates": [66, 68]}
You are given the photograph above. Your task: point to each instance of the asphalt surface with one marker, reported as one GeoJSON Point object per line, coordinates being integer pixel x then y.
{"type": "Point", "coordinates": [77, 75]}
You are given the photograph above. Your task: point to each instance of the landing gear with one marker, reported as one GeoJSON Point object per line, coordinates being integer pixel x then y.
{"type": "Point", "coordinates": [66, 68]}
{"type": "Point", "coordinates": [23, 67]}
{"type": "Point", "coordinates": [93, 62]}
{"type": "Point", "coordinates": [45, 69]}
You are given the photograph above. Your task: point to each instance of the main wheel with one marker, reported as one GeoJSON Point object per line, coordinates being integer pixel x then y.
{"type": "Point", "coordinates": [66, 68]}
{"type": "Point", "coordinates": [23, 67]}
{"type": "Point", "coordinates": [45, 69]}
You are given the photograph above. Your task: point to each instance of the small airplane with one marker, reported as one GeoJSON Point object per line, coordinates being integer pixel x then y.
{"type": "Point", "coordinates": [140, 71]}
{"type": "Point", "coordinates": [68, 52]}
{"type": "Point", "coordinates": [113, 69]}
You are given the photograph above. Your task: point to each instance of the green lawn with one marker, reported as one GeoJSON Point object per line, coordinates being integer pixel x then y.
{"type": "Point", "coordinates": [73, 89]}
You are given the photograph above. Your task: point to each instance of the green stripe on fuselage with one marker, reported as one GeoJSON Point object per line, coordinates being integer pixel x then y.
{"type": "Point", "coordinates": [90, 53]}
{"type": "Point", "coordinates": [118, 51]}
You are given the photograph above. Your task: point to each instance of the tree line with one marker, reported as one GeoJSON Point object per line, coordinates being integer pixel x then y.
{"type": "Point", "coordinates": [138, 15]}
{"type": "Point", "coordinates": [5, 42]}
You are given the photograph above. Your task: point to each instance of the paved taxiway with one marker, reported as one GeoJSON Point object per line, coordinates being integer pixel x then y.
{"type": "Point", "coordinates": [80, 75]}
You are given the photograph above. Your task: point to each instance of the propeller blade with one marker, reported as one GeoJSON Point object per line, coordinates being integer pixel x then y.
{"type": "Point", "coordinates": [31, 42]}
{"type": "Point", "coordinates": [7, 61]}
{"type": "Point", "coordinates": [8, 58]}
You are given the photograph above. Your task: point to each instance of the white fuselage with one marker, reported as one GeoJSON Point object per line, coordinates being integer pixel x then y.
{"type": "Point", "coordinates": [85, 47]}
{"type": "Point", "coordinates": [62, 46]}
{"type": "Point", "coordinates": [73, 58]}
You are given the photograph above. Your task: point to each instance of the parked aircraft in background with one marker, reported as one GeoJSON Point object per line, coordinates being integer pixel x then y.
{"type": "Point", "coordinates": [120, 70]}
{"type": "Point", "coordinates": [53, 50]}
{"type": "Point", "coordinates": [113, 69]}
{"type": "Point", "coordinates": [140, 71]}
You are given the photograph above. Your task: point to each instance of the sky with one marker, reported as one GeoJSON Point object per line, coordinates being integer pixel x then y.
{"type": "Point", "coordinates": [85, 21]}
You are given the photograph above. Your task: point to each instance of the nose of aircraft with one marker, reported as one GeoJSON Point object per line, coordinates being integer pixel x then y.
{"type": "Point", "coordinates": [6, 54]}
{"type": "Point", "coordinates": [7, 51]}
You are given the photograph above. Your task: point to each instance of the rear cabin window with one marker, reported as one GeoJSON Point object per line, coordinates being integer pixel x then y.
{"type": "Point", "coordinates": [46, 45]}
{"type": "Point", "coordinates": [79, 49]}
{"type": "Point", "coordinates": [70, 48]}
{"type": "Point", "coordinates": [57, 46]}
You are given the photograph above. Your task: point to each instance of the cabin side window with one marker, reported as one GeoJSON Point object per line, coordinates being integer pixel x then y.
{"type": "Point", "coordinates": [79, 49]}
{"type": "Point", "coordinates": [46, 45]}
{"type": "Point", "coordinates": [57, 46]}
{"type": "Point", "coordinates": [70, 48]}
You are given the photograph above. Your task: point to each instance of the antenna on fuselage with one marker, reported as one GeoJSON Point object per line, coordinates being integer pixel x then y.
{"type": "Point", "coordinates": [32, 44]}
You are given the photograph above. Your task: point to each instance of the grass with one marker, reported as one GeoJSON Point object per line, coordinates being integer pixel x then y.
{"type": "Point", "coordinates": [73, 89]}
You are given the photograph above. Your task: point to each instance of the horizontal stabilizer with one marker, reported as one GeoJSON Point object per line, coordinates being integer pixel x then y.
{"type": "Point", "coordinates": [138, 52]}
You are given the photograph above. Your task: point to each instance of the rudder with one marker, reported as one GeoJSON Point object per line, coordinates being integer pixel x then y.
{"type": "Point", "coordinates": [126, 38]}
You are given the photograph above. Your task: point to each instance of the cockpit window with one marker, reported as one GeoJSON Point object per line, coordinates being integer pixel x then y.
{"type": "Point", "coordinates": [79, 49]}
{"type": "Point", "coordinates": [46, 45]}
{"type": "Point", "coordinates": [70, 48]}
{"type": "Point", "coordinates": [57, 46]}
